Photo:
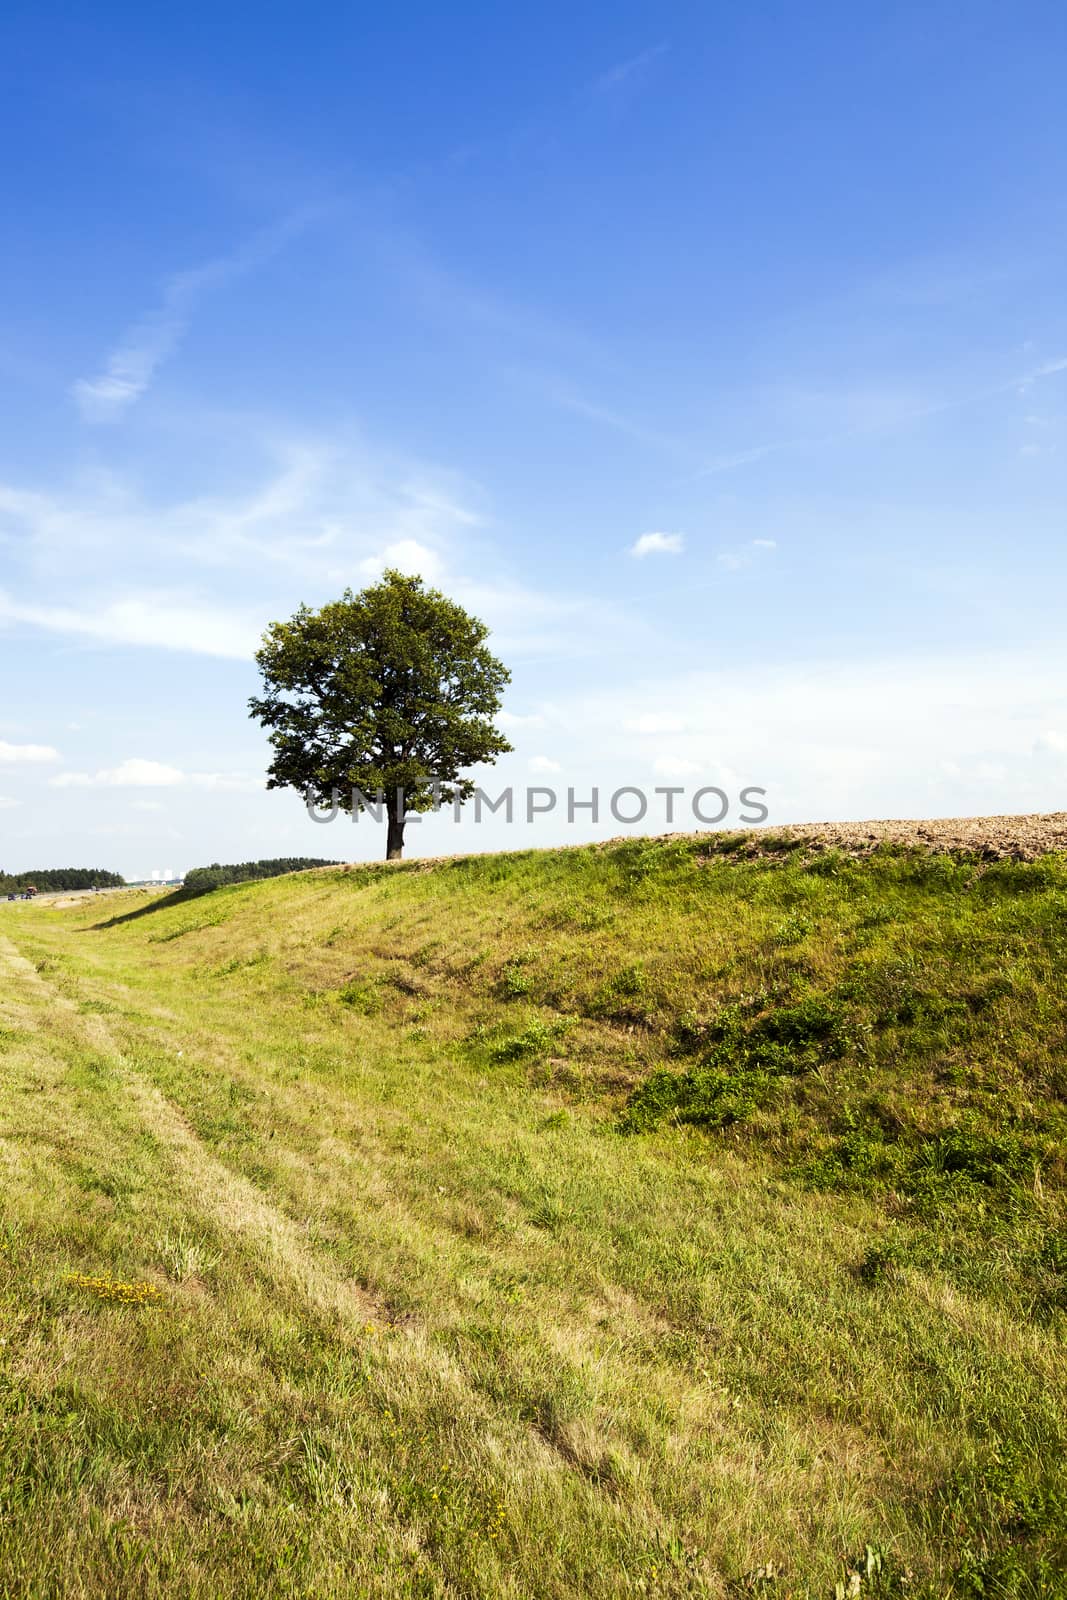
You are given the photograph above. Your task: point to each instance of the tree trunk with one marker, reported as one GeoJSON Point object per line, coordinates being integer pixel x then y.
{"type": "Point", "coordinates": [394, 844]}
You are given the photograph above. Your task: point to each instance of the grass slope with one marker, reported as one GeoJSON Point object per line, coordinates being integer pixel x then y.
{"type": "Point", "coordinates": [633, 1220]}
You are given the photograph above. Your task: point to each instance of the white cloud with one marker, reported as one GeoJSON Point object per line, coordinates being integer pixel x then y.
{"type": "Point", "coordinates": [673, 766]}
{"type": "Point", "coordinates": [509, 719]}
{"type": "Point", "coordinates": [407, 556]}
{"type": "Point", "coordinates": [132, 364]}
{"type": "Point", "coordinates": [134, 773]}
{"type": "Point", "coordinates": [529, 622]}
{"type": "Point", "coordinates": [653, 722]}
{"type": "Point", "coordinates": [544, 764]}
{"type": "Point", "coordinates": [158, 620]}
{"type": "Point", "coordinates": [742, 458]}
{"type": "Point", "coordinates": [137, 773]}
{"type": "Point", "coordinates": [34, 753]}
{"type": "Point", "coordinates": [328, 513]}
{"type": "Point", "coordinates": [1048, 369]}
{"type": "Point", "coordinates": [734, 560]}
{"type": "Point", "coordinates": [6, 803]}
{"type": "Point", "coordinates": [229, 782]}
{"type": "Point", "coordinates": [833, 415]}
{"type": "Point", "coordinates": [625, 71]}
{"type": "Point", "coordinates": [325, 515]}
{"type": "Point", "coordinates": [852, 737]}
{"type": "Point", "coordinates": [560, 392]}
{"type": "Point", "coordinates": [648, 544]}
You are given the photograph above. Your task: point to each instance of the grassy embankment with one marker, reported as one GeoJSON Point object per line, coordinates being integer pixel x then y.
{"type": "Point", "coordinates": [580, 1223]}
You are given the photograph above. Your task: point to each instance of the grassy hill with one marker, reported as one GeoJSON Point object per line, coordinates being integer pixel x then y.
{"type": "Point", "coordinates": [641, 1220]}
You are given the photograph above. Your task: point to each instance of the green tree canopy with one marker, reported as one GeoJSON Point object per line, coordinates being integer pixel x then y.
{"type": "Point", "coordinates": [199, 880]}
{"type": "Point", "coordinates": [48, 878]}
{"type": "Point", "coordinates": [391, 691]}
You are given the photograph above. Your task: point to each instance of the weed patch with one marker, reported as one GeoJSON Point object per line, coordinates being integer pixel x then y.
{"type": "Point", "coordinates": [741, 1069]}
{"type": "Point", "coordinates": [361, 996]}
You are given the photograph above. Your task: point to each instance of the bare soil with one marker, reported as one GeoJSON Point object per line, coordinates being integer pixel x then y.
{"type": "Point", "coordinates": [1023, 838]}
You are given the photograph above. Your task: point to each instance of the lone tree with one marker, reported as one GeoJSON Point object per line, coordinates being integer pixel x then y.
{"type": "Point", "coordinates": [382, 697]}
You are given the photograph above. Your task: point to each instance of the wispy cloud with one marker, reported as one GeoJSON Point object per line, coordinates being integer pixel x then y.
{"type": "Point", "coordinates": [849, 736]}
{"type": "Point", "coordinates": [26, 753]}
{"type": "Point", "coordinates": [880, 414]}
{"type": "Point", "coordinates": [99, 559]}
{"type": "Point", "coordinates": [652, 544]}
{"type": "Point", "coordinates": [544, 764]}
{"type": "Point", "coordinates": [453, 299]}
{"type": "Point", "coordinates": [323, 505]}
{"type": "Point", "coordinates": [625, 72]}
{"type": "Point", "coordinates": [744, 555]}
{"type": "Point", "coordinates": [525, 621]}
{"type": "Point", "coordinates": [1046, 369]}
{"type": "Point", "coordinates": [562, 394]}
{"type": "Point", "coordinates": [328, 512]}
{"type": "Point", "coordinates": [146, 344]}
{"type": "Point", "coordinates": [745, 458]}
{"type": "Point", "coordinates": [530, 623]}
{"type": "Point", "coordinates": [138, 773]}
{"type": "Point", "coordinates": [161, 621]}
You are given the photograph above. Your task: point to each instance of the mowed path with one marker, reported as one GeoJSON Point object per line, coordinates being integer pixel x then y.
{"type": "Point", "coordinates": [231, 1202]}
{"type": "Point", "coordinates": [413, 1369]}
{"type": "Point", "coordinates": [214, 1192]}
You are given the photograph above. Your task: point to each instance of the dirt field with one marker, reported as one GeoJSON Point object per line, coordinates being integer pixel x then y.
{"type": "Point", "coordinates": [995, 838]}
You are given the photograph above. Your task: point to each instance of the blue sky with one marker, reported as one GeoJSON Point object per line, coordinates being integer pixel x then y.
{"type": "Point", "coordinates": [496, 294]}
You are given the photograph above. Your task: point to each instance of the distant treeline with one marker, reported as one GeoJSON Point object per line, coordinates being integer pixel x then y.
{"type": "Point", "coordinates": [199, 879]}
{"type": "Point", "coordinates": [48, 878]}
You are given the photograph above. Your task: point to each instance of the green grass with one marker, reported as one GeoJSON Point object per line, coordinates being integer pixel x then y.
{"type": "Point", "coordinates": [636, 1220]}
